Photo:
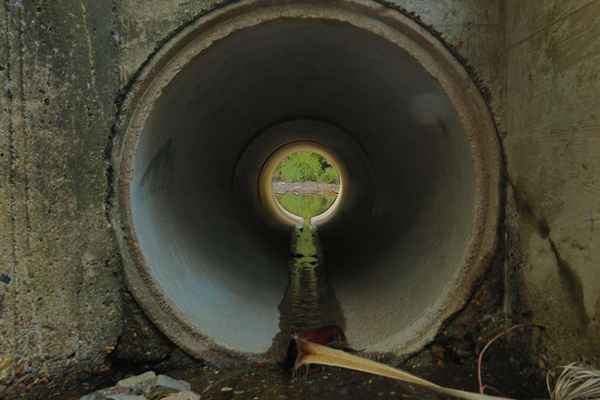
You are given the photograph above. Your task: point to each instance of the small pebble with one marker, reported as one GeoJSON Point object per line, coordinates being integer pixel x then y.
{"type": "Point", "coordinates": [226, 389]}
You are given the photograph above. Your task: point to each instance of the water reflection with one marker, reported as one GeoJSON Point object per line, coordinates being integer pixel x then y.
{"type": "Point", "coordinates": [306, 205]}
{"type": "Point", "coordinates": [310, 301]}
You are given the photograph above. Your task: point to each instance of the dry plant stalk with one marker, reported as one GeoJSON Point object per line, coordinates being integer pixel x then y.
{"type": "Point", "coordinates": [575, 383]}
{"type": "Point", "coordinates": [482, 386]}
{"type": "Point", "coordinates": [312, 353]}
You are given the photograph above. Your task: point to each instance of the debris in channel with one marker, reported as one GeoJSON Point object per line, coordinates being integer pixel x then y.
{"type": "Point", "coordinates": [574, 383]}
{"type": "Point", "coordinates": [313, 353]}
{"type": "Point", "coordinates": [147, 386]}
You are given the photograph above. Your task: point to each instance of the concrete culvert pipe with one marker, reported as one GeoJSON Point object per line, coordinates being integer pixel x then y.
{"type": "Point", "coordinates": [415, 228]}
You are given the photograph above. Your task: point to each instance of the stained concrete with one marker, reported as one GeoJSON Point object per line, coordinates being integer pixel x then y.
{"type": "Point", "coordinates": [60, 306]}
{"type": "Point", "coordinates": [57, 262]}
{"type": "Point", "coordinates": [476, 32]}
{"type": "Point", "coordinates": [552, 148]}
{"type": "Point", "coordinates": [53, 182]}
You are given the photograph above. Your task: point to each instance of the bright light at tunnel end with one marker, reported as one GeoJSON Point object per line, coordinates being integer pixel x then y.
{"type": "Point", "coordinates": [265, 183]}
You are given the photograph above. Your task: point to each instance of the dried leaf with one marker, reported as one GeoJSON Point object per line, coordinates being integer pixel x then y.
{"type": "Point", "coordinates": [313, 353]}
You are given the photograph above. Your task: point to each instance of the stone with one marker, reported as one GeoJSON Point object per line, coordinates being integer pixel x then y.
{"type": "Point", "coordinates": [116, 390]}
{"type": "Point", "coordinates": [158, 393]}
{"type": "Point", "coordinates": [138, 382]}
{"type": "Point", "coordinates": [110, 393]}
{"type": "Point", "coordinates": [164, 381]}
{"type": "Point", "coordinates": [125, 397]}
{"type": "Point", "coordinates": [93, 396]}
{"type": "Point", "coordinates": [187, 395]}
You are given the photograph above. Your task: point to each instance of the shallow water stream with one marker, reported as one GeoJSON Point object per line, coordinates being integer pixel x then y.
{"type": "Point", "coordinates": [309, 301]}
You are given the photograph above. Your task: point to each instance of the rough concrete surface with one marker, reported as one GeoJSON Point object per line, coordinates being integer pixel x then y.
{"type": "Point", "coordinates": [62, 64]}
{"type": "Point", "coordinates": [475, 31]}
{"type": "Point", "coordinates": [60, 307]}
{"type": "Point", "coordinates": [552, 148]}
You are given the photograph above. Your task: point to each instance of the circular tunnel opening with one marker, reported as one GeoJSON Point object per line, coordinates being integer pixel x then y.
{"type": "Point", "coordinates": [302, 184]}
{"type": "Point", "coordinates": [414, 226]}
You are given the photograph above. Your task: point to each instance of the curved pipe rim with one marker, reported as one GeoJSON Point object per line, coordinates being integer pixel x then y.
{"type": "Point", "coordinates": [268, 198]}
{"type": "Point", "coordinates": [364, 14]}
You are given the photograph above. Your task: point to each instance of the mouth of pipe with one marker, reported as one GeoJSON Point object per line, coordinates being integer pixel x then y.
{"type": "Point", "coordinates": [417, 147]}
{"type": "Point", "coordinates": [269, 199]}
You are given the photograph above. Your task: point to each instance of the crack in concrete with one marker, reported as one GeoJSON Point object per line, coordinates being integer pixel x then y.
{"type": "Point", "coordinates": [569, 280]}
{"type": "Point", "coordinates": [572, 285]}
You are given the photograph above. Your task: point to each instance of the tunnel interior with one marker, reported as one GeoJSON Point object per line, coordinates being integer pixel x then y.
{"type": "Point", "coordinates": [207, 241]}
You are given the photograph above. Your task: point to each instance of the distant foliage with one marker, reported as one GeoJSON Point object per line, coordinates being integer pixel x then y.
{"type": "Point", "coordinates": [306, 166]}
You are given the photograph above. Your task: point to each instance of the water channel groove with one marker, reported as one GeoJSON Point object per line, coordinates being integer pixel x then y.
{"type": "Point", "coordinates": [309, 302]}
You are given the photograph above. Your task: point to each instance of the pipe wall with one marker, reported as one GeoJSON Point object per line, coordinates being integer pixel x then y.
{"type": "Point", "coordinates": [401, 254]}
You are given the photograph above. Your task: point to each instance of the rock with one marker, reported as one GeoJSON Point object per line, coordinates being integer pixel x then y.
{"type": "Point", "coordinates": [164, 381]}
{"type": "Point", "coordinates": [93, 396]}
{"type": "Point", "coordinates": [163, 386]}
{"type": "Point", "coordinates": [226, 389]}
{"type": "Point", "coordinates": [115, 390]}
{"type": "Point", "coordinates": [158, 393]}
{"type": "Point", "coordinates": [114, 393]}
{"type": "Point", "coordinates": [138, 382]}
{"type": "Point", "coordinates": [152, 386]}
{"type": "Point", "coordinates": [187, 395]}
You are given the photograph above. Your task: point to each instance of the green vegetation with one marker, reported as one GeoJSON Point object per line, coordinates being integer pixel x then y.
{"type": "Point", "coordinates": [306, 205]}
{"type": "Point", "coordinates": [306, 166]}
{"type": "Point", "coordinates": [306, 247]}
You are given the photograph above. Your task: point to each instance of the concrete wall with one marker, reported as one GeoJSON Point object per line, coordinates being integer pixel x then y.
{"type": "Point", "coordinates": [552, 145]}
{"type": "Point", "coordinates": [59, 286]}
{"type": "Point", "coordinates": [475, 32]}
{"type": "Point", "coordinates": [62, 64]}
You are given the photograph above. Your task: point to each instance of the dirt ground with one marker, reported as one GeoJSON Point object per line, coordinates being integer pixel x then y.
{"type": "Point", "coordinates": [509, 374]}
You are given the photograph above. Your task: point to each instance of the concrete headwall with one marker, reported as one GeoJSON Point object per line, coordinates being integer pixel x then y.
{"type": "Point", "coordinates": [60, 307]}
{"type": "Point", "coordinates": [552, 147]}
{"type": "Point", "coordinates": [64, 63]}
